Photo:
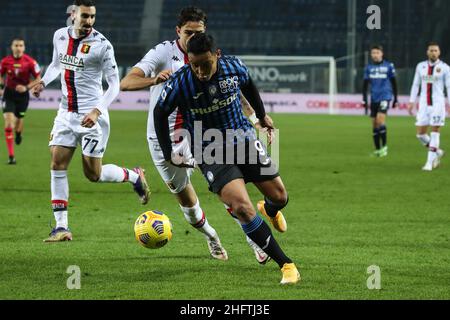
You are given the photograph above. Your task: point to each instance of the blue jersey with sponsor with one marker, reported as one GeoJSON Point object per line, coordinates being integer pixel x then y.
{"type": "Point", "coordinates": [380, 76]}
{"type": "Point", "coordinates": [215, 103]}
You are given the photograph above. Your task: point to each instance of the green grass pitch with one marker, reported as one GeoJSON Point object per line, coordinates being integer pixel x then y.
{"type": "Point", "coordinates": [347, 211]}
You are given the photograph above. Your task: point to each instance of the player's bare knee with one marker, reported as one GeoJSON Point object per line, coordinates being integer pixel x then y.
{"type": "Point", "coordinates": [58, 164]}
{"type": "Point", "coordinates": [244, 210]}
{"type": "Point", "coordinates": [93, 177]}
{"type": "Point", "coordinates": [279, 196]}
{"type": "Point", "coordinates": [9, 124]}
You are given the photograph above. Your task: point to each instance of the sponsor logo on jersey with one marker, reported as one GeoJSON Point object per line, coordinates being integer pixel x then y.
{"type": "Point", "coordinates": [85, 48]}
{"type": "Point", "coordinates": [428, 79]}
{"type": "Point", "coordinates": [70, 62]}
{"type": "Point", "coordinates": [229, 84]}
{"type": "Point", "coordinates": [198, 96]}
{"type": "Point", "coordinates": [378, 76]}
{"type": "Point", "coordinates": [217, 104]}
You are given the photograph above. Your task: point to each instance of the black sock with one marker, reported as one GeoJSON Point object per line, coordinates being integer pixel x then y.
{"type": "Point", "coordinates": [383, 134]}
{"type": "Point", "coordinates": [273, 208]}
{"type": "Point", "coordinates": [260, 233]}
{"type": "Point", "coordinates": [376, 138]}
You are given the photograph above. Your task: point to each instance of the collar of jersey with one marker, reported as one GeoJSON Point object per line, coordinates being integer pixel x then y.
{"type": "Point", "coordinates": [378, 64]}
{"type": "Point", "coordinates": [434, 64]}
{"type": "Point", "coordinates": [179, 47]}
{"type": "Point", "coordinates": [80, 38]}
{"type": "Point", "coordinates": [219, 68]}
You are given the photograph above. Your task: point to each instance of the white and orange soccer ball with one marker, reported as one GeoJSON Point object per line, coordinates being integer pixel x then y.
{"type": "Point", "coordinates": [153, 229]}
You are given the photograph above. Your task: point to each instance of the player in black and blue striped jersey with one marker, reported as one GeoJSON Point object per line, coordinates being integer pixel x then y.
{"type": "Point", "coordinates": [207, 92]}
{"type": "Point", "coordinates": [380, 75]}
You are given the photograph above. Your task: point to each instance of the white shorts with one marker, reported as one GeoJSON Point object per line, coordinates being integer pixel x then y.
{"type": "Point", "coordinates": [431, 116]}
{"type": "Point", "coordinates": [176, 179]}
{"type": "Point", "coordinates": [68, 132]}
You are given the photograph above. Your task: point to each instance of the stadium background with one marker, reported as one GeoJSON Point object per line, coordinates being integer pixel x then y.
{"type": "Point", "coordinates": [255, 27]}
{"type": "Point", "coordinates": [347, 211]}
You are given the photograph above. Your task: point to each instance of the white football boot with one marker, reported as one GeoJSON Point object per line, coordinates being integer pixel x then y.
{"type": "Point", "coordinates": [216, 249]}
{"type": "Point", "coordinates": [437, 161]}
{"type": "Point", "coordinates": [260, 255]}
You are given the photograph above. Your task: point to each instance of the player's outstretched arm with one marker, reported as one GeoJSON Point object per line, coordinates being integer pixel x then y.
{"type": "Point", "coordinates": [111, 94]}
{"type": "Point", "coordinates": [161, 119]}
{"type": "Point", "coordinates": [136, 80]}
{"type": "Point", "coordinates": [414, 91]}
{"type": "Point", "coordinates": [33, 83]}
{"type": "Point", "coordinates": [251, 93]}
{"type": "Point", "coordinates": [52, 72]}
{"type": "Point", "coordinates": [251, 115]}
{"type": "Point", "coordinates": [166, 104]}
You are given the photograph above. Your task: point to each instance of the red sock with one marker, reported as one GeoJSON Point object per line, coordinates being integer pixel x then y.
{"type": "Point", "coordinates": [9, 136]}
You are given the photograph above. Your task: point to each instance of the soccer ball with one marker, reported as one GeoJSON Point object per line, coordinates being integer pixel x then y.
{"type": "Point", "coordinates": [153, 229]}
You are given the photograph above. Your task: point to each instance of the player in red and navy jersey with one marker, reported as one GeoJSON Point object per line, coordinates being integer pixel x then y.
{"type": "Point", "coordinates": [82, 56]}
{"type": "Point", "coordinates": [16, 73]}
{"type": "Point", "coordinates": [431, 85]}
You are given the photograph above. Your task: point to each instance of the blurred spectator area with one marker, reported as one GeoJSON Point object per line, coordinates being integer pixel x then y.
{"type": "Point", "coordinates": [251, 27]}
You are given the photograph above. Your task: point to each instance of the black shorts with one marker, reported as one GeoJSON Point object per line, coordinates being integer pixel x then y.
{"type": "Point", "coordinates": [261, 169]}
{"type": "Point", "coordinates": [15, 102]}
{"type": "Point", "coordinates": [379, 107]}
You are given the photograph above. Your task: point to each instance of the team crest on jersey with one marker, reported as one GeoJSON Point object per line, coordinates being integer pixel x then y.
{"type": "Point", "coordinates": [212, 90]}
{"type": "Point", "coordinates": [229, 84]}
{"type": "Point", "coordinates": [85, 48]}
{"type": "Point", "coordinates": [438, 70]}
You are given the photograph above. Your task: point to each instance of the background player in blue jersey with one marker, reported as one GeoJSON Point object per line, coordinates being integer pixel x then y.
{"type": "Point", "coordinates": [380, 75]}
{"type": "Point", "coordinates": [207, 92]}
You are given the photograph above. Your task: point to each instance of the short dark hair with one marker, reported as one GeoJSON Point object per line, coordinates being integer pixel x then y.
{"type": "Point", "coordinates": [86, 3]}
{"type": "Point", "coordinates": [433, 44]}
{"type": "Point", "coordinates": [191, 14]}
{"type": "Point", "coordinates": [201, 43]}
{"type": "Point", "coordinates": [17, 39]}
{"type": "Point", "coordinates": [377, 47]}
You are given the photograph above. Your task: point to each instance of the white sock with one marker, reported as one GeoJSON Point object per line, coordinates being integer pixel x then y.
{"type": "Point", "coordinates": [113, 173]}
{"type": "Point", "coordinates": [59, 186]}
{"type": "Point", "coordinates": [424, 139]}
{"type": "Point", "coordinates": [195, 217]}
{"type": "Point", "coordinates": [434, 146]}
